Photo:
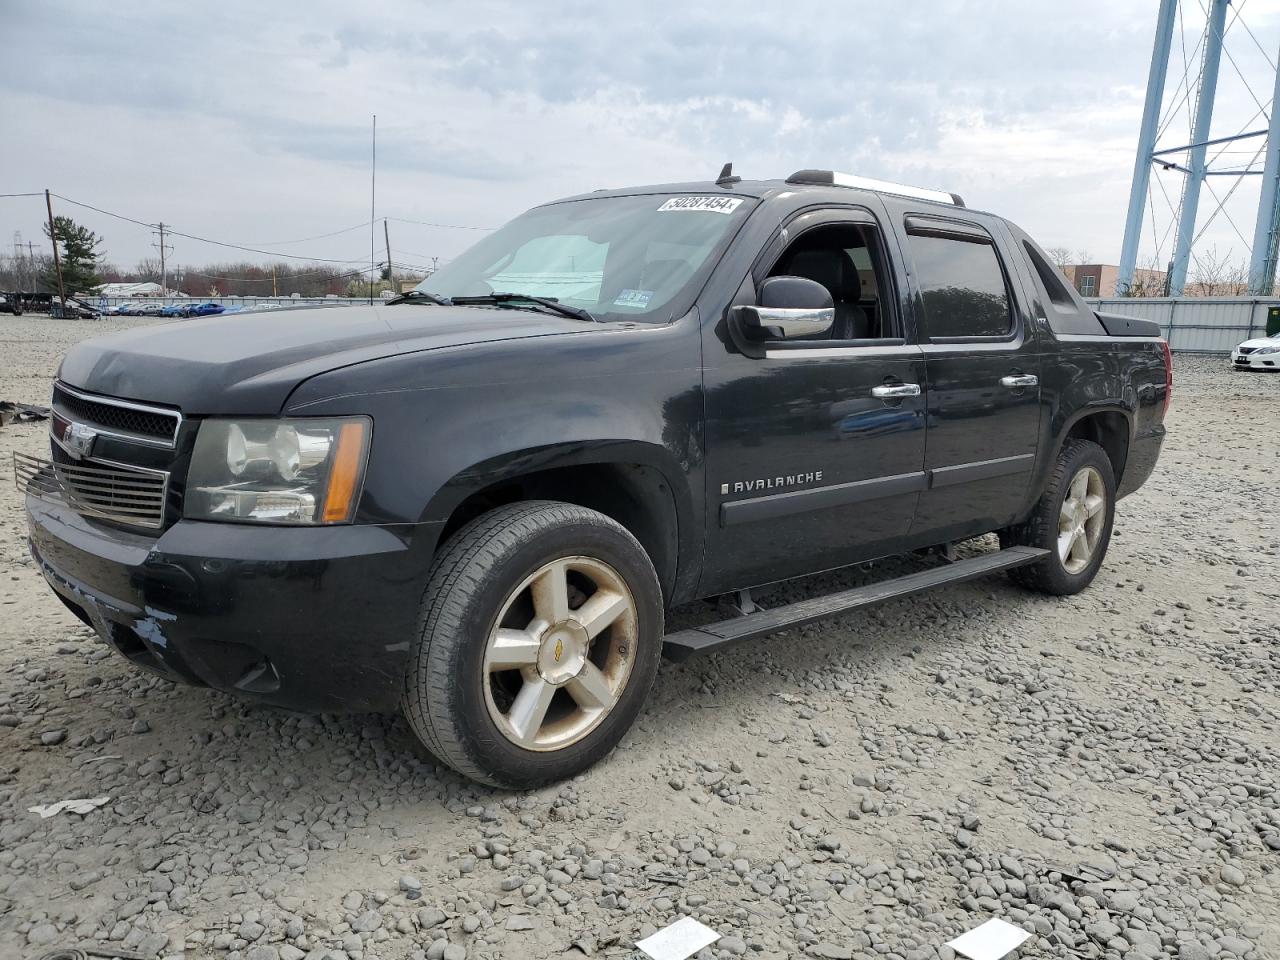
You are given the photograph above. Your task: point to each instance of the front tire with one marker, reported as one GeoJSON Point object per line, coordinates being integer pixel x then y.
{"type": "Point", "coordinates": [1072, 520]}
{"type": "Point", "coordinates": [541, 634]}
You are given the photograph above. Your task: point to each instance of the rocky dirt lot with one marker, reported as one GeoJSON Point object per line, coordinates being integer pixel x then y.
{"type": "Point", "coordinates": [1100, 770]}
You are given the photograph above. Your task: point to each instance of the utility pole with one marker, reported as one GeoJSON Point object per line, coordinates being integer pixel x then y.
{"type": "Point", "coordinates": [274, 292]}
{"type": "Point", "coordinates": [17, 255]}
{"type": "Point", "coordinates": [31, 266]}
{"type": "Point", "coordinates": [373, 207]}
{"type": "Point", "coordinates": [57, 261]}
{"type": "Point", "coordinates": [390, 273]}
{"type": "Point", "coordinates": [164, 271]}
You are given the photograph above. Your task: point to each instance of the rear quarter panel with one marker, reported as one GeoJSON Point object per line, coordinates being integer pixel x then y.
{"type": "Point", "coordinates": [1081, 375]}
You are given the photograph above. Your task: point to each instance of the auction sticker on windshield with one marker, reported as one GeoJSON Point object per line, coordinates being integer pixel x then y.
{"type": "Point", "coordinates": [709, 204]}
{"type": "Point", "coordinates": [634, 298]}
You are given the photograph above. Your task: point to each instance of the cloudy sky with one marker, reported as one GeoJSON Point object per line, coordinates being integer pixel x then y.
{"type": "Point", "coordinates": [248, 122]}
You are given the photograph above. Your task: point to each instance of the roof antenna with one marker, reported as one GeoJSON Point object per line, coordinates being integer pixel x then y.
{"type": "Point", "coordinates": [726, 175]}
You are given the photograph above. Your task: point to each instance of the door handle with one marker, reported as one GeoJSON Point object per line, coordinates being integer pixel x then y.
{"type": "Point", "coordinates": [1020, 381]}
{"type": "Point", "coordinates": [896, 391]}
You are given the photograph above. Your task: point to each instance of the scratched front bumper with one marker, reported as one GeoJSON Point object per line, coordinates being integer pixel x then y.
{"type": "Point", "coordinates": [312, 619]}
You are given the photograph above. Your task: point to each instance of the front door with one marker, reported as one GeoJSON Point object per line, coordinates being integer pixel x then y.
{"type": "Point", "coordinates": [815, 448]}
{"type": "Point", "coordinates": [982, 370]}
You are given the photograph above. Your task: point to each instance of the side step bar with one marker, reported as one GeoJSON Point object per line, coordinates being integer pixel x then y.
{"type": "Point", "coordinates": [726, 633]}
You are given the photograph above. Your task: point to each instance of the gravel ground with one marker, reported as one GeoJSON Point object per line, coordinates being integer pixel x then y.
{"type": "Point", "coordinates": [1100, 770]}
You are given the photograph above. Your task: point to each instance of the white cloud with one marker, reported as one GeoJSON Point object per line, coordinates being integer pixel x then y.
{"type": "Point", "coordinates": [250, 122]}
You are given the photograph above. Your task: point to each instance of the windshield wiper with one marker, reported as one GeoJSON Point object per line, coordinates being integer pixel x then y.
{"type": "Point", "coordinates": [549, 303]}
{"type": "Point", "coordinates": [421, 296]}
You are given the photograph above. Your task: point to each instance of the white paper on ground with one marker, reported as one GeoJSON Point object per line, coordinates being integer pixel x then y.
{"type": "Point", "coordinates": [681, 939]}
{"type": "Point", "coordinates": [991, 941]}
{"type": "Point", "coordinates": [81, 807]}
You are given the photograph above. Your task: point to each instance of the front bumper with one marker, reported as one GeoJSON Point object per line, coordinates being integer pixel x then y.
{"type": "Point", "coordinates": [1252, 361]}
{"type": "Point", "coordinates": [313, 619]}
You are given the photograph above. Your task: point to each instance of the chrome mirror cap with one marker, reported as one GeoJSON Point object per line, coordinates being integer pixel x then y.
{"type": "Point", "coordinates": [796, 322]}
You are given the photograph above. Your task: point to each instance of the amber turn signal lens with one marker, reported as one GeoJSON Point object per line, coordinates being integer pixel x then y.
{"type": "Point", "coordinates": [344, 478]}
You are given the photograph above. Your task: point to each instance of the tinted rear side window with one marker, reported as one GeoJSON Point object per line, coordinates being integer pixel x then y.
{"type": "Point", "coordinates": [962, 285]}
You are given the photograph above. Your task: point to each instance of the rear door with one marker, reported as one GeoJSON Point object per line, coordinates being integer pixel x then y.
{"type": "Point", "coordinates": [983, 375]}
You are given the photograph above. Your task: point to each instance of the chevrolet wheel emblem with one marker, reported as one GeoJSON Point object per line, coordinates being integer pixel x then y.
{"type": "Point", "coordinates": [559, 650]}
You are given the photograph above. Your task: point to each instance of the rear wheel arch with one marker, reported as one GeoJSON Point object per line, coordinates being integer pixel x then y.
{"type": "Point", "coordinates": [1109, 429]}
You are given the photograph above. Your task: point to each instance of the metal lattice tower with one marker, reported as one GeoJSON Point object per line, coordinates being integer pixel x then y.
{"type": "Point", "coordinates": [1195, 168]}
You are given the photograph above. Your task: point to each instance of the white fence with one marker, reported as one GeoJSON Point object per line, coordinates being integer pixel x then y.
{"type": "Point", "coordinates": [1198, 324]}
{"type": "Point", "coordinates": [1190, 324]}
{"type": "Point", "coordinates": [247, 303]}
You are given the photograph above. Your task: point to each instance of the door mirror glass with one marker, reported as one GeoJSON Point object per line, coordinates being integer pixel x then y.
{"type": "Point", "coordinates": [789, 307]}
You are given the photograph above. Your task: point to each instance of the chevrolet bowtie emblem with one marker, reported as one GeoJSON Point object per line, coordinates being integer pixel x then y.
{"type": "Point", "coordinates": [559, 650]}
{"type": "Point", "coordinates": [78, 439]}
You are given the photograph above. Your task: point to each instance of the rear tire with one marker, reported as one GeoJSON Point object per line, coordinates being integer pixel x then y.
{"type": "Point", "coordinates": [1072, 520]}
{"type": "Point", "coordinates": [540, 637]}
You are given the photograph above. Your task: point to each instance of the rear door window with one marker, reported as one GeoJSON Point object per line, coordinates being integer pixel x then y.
{"type": "Point", "coordinates": [961, 281]}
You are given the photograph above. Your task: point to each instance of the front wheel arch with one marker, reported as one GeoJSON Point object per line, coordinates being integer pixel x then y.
{"type": "Point", "coordinates": [639, 495]}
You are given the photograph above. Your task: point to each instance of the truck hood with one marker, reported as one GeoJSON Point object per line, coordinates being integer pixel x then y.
{"type": "Point", "coordinates": [249, 363]}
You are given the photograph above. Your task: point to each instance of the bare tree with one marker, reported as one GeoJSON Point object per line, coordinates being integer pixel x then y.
{"type": "Point", "coordinates": [1060, 257]}
{"type": "Point", "coordinates": [1148, 281]}
{"type": "Point", "coordinates": [148, 269]}
{"type": "Point", "coordinates": [1217, 275]}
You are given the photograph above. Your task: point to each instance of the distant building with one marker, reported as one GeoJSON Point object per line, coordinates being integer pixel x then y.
{"type": "Point", "coordinates": [1101, 280]}
{"type": "Point", "coordinates": [145, 289]}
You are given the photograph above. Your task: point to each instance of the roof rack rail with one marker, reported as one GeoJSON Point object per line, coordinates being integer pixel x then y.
{"type": "Point", "coordinates": [834, 178]}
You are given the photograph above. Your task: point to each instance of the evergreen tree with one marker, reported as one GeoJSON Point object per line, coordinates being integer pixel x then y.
{"type": "Point", "coordinates": [78, 248]}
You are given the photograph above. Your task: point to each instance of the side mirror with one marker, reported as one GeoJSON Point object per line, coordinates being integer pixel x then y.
{"type": "Point", "coordinates": [789, 307]}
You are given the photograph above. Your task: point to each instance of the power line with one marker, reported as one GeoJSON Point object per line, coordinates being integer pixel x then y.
{"type": "Point", "coordinates": [37, 194]}
{"type": "Point", "coordinates": [295, 276]}
{"type": "Point", "coordinates": [190, 236]}
{"type": "Point", "coordinates": [319, 236]}
{"type": "Point", "coordinates": [442, 226]}
{"type": "Point", "coordinates": [249, 249]}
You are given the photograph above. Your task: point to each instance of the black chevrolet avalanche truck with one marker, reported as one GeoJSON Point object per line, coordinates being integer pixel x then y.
{"type": "Point", "coordinates": [474, 503]}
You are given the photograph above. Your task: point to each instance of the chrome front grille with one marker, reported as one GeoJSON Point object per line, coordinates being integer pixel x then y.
{"type": "Point", "coordinates": [140, 422]}
{"type": "Point", "coordinates": [124, 494]}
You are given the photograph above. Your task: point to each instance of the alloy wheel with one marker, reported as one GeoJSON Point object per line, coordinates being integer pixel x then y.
{"type": "Point", "coordinates": [560, 654]}
{"type": "Point", "coordinates": [1081, 519]}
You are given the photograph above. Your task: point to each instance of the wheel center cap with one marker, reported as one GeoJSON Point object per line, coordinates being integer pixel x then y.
{"type": "Point", "coordinates": [563, 653]}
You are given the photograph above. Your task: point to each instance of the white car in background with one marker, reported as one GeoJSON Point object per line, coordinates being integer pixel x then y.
{"type": "Point", "coordinates": [1260, 354]}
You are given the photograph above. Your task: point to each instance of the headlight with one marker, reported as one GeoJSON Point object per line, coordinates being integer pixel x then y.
{"type": "Point", "coordinates": [277, 471]}
{"type": "Point", "coordinates": [1267, 350]}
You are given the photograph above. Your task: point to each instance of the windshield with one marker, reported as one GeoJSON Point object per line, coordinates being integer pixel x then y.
{"type": "Point", "coordinates": [620, 258]}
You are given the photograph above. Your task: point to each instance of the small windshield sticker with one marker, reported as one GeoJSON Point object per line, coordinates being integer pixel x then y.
{"type": "Point", "coordinates": [633, 298]}
{"type": "Point", "coordinates": [709, 204]}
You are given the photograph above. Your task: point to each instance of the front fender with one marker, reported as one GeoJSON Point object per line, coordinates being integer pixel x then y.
{"type": "Point", "coordinates": [449, 422]}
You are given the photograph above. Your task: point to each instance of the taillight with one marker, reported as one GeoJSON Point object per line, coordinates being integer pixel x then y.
{"type": "Point", "coordinates": [1168, 376]}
